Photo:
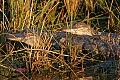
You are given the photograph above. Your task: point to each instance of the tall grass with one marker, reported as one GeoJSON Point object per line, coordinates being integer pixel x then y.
{"type": "Point", "coordinates": [53, 15]}
{"type": "Point", "coordinates": [59, 13]}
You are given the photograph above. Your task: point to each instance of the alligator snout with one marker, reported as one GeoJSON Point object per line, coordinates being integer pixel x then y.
{"type": "Point", "coordinates": [79, 28]}
{"type": "Point", "coordinates": [15, 37]}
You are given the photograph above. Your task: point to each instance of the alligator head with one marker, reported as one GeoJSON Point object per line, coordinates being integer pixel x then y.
{"type": "Point", "coordinates": [80, 29]}
{"type": "Point", "coordinates": [34, 39]}
{"type": "Point", "coordinates": [26, 36]}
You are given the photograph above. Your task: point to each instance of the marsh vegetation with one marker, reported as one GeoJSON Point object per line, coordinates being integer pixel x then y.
{"type": "Point", "coordinates": [21, 61]}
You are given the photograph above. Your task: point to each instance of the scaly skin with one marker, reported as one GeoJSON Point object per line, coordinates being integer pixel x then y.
{"type": "Point", "coordinates": [87, 43]}
{"type": "Point", "coordinates": [96, 42]}
{"type": "Point", "coordinates": [80, 29]}
{"type": "Point", "coordinates": [107, 43]}
{"type": "Point", "coordinates": [111, 38]}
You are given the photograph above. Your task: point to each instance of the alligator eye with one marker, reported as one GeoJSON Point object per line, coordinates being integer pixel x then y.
{"type": "Point", "coordinates": [25, 33]}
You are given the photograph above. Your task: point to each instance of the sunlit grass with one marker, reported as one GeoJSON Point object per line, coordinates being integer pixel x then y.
{"type": "Point", "coordinates": [52, 16]}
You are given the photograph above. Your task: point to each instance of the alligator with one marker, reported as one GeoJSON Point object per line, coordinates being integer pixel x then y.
{"type": "Point", "coordinates": [84, 37]}
{"type": "Point", "coordinates": [27, 36]}
{"type": "Point", "coordinates": [79, 36]}
{"type": "Point", "coordinates": [79, 28]}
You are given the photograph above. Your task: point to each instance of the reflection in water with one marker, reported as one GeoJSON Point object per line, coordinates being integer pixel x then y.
{"type": "Point", "coordinates": [107, 70]}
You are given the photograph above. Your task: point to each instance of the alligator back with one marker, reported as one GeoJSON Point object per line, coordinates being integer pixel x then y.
{"type": "Point", "coordinates": [89, 44]}
{"type": "Point", "coordinates": [111, 38]}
